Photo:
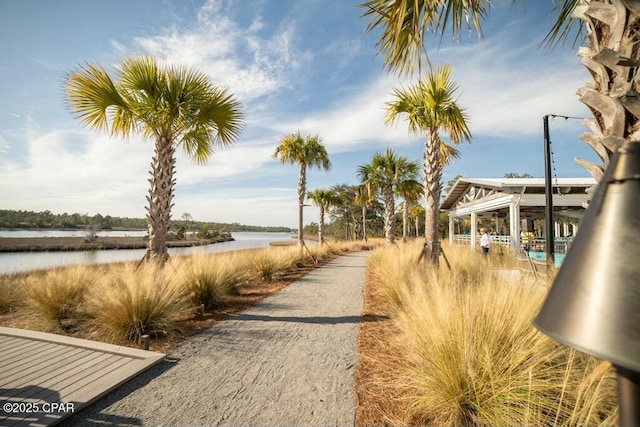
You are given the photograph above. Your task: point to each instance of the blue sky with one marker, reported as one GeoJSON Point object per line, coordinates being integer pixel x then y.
{"type": "Point", "coordinates": [295, 65]}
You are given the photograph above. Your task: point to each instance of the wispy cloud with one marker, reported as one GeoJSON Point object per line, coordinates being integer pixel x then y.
{"type": "Point", "coordinates": [507, 86]}
{"type": "Point", "coordinates": [240, 58]}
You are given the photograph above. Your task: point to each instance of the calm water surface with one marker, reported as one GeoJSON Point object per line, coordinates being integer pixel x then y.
{"type": "Point", "coordinates": [25, 261]}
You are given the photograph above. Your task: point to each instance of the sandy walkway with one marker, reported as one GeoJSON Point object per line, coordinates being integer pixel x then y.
{"type": "Point", "coordinates": [289, 361]}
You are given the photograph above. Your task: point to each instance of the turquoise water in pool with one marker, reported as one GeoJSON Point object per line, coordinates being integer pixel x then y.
{"type": "Point", "coordinates": [542, 256]}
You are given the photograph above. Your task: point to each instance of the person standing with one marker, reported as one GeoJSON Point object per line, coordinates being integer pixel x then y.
{"type": "Point", "coordinates": [484, 241]}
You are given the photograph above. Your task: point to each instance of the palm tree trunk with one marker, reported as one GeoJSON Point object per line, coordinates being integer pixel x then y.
{"type": "Point", "coordinates": [612, 59]}
{"type": "Point", "coordinates": [321, 226]}
{"type": "Point", "coordinates": [432, 175]}
{"type": "Point", "coordinates": [405, 221]}
{"type": "Point", "coordinates": [389, 216]}
{"type": "Point", "coordinates": [302, 189]}
{"type": "Point", "coordinates": [160, 196]}
{"type": "Point", "coordinates": [417, 226]}
{"type": "Point", "coordinates": [364, 222]}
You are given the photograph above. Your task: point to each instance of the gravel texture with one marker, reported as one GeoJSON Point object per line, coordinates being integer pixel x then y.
{"type": "Point", "coordinates": [289, 361]}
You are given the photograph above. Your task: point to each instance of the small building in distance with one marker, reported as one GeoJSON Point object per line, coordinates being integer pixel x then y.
{"type": "Point", "coordinates": [516, 203]}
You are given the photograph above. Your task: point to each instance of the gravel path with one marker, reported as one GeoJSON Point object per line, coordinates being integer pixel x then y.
{"type": "Point", "coordinates": [289, 361]}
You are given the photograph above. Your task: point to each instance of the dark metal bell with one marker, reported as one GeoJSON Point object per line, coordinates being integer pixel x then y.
{"type": "Point", "coordinates": [594, 302]}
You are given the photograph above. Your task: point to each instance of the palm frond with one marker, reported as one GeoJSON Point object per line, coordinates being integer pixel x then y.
{"type": "Point", "coordinates": [95, 99]}
{"type": "Point", "coordinates": [405, 24]}
{"type": "Point", "coordinates": [565, 23]}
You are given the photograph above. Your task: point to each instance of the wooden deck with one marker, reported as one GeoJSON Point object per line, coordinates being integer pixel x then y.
{"type": "Point", "coordinates": [45, 378]}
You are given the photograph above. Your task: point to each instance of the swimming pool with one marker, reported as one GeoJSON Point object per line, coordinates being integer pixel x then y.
{"type": "Point", "coordinates": [542, 256]}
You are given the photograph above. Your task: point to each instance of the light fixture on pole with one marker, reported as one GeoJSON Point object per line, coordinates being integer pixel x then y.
{"type": "Point", "coordinates": [594, 302]}
{"type": "Point", "coordinates": [548, 192]}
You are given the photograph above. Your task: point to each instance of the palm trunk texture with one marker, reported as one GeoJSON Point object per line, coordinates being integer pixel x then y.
{"type": "Point", "coordinates": [405, 217]}
{"type": "Point", "coordinates": [364, 222]}
{"type": "Point", "coordinates": [321, 227]}
{"type": "Point", "coordinates": [612, 58]}
{"type": "Point", "coordinates": [302, 189]}
{"type": "Point", "coordinates": [389, 216]}
{"type": "Point", "coordinates": [160, 196]}
{"type": "Point", "coordinates": [432, 175]}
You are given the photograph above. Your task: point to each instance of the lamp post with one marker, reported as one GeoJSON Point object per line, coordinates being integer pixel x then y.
{"type": "Point", "coordinates": [548, 192]}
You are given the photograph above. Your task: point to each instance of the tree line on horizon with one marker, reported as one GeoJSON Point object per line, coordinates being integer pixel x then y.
{"type": "Point", "coordinates": [22, 219]}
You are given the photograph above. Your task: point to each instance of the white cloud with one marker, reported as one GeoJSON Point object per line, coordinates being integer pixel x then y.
{"type": "Point", "coordinates": [355, 120]}
{"type": "Point", "coordinates": [507, 89]}
{"type": "Point", "coordinates": [235, 57]}
{"type": "Point", "coordinates": [275, 206]}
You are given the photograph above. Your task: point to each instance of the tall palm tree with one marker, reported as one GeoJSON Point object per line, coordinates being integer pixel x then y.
{"type": "Point", "coordinates": [308, 152]}
{"type": "Point", "coordinates": [383, 174]}
{"type": "Point", "coordinates": [611, 56]}
{"type": "Point", "coordinates": [431, 106]}
{"type": "Point", "coordinates": [324, 199]}
{"type": "Point", "coordinates": [410, 190]}
{"type": "Point", "coordinates": [173, 106]}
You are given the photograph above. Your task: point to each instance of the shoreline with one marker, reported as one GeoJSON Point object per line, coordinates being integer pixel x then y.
{"type": "Point", "coordinates": [66, 244]}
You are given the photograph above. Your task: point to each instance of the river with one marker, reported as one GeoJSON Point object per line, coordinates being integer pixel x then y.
{"type": "Point", "coordinates": [26, 261]}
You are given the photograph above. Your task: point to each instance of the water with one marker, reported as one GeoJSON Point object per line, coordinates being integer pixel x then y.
{"type": "Point", "coordinates": [25, 261]}
{"type": "Point", "coordinates": [541, 256]}
{"type": "Point", "coordinates": [70, 233]}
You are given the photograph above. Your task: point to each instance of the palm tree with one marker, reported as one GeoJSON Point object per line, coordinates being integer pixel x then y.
{"type": "Point", "coordinates": [417, 211]}
{"type": "Point", "coordinates": [307, 151]}
{"type": "Point", "coordinates": [410, 190]}
{"type": "Point", "coordinates": [383, 174]}
{"type": "Point", "coordinates": [611, 56]}
{"type": "Point", "coordinates": [431, 107]}
{"type": "Point", "coordinates": [364, 196]}
{"type": "Point", "coordinates": [324, 199]}
{"type": "Point", "coordinates": [174, 106]}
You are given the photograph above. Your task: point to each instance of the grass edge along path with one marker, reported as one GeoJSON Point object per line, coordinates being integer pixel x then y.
{"type": "Point", "coordinates": [73, 300]}
{"type": "Point", "coordinates": [459, 348]}
{"type": "Point", "coordinates": [288, 361]}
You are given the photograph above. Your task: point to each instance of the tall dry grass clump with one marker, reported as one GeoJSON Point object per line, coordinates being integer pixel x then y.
{"type": "Point", "coordinates": [211, 278]}
{"type": "Point", "coordinates": [130, 302]}
{"type": "Point", "coordinates": [270, 264]}
{"type": "Point", "coordinates": [471, 355]}
{"type": "Point", "coordinates": [56, 297]}
{"type": "Point", "coordinates": [12, 292]}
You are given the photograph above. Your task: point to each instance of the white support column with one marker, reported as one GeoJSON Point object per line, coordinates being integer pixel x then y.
{"type": "Point", "coordinates": [565, 229]}
{"type": "Point", "coordinates": [474, 229]}
{"type": "Point", "coordinates": [514, 225]}
{"type": "Point", "coordinates": [451, 229]}
{"type": "Point", "coordinates": [574, 229]}
{"type": "Point", "coordinates": [556, 227]}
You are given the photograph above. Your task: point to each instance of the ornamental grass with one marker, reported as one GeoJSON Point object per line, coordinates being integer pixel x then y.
{"type": "Point", "coordinates": [56, 297]}
{"type": "Point", "coordinates": [469, 354]}
{"type": "Point", "coordinates": [212, 278]}
{"type": "Point", "coordinates": [130, 302]}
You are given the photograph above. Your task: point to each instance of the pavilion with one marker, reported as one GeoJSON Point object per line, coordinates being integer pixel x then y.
{"type": "Point", "coordinates": [516, 201]}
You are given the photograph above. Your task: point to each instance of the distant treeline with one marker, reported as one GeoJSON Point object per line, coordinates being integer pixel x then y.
{"type": "Point", "coordinates": [46, 219]}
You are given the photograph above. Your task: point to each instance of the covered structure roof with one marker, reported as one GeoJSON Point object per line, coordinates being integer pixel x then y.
{"type": "Point", "coordinates": [471, 189]}
{"type": "Point", "coordinates": [514, 199]}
